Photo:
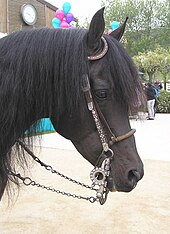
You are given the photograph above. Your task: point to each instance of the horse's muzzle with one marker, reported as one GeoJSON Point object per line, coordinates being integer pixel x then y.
{"type": "Point", "coordinates": [129, 183]}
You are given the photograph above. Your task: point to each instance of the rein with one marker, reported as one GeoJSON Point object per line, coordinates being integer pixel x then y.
{"type": "Point", "coordinates": [101, 171]}
{"type": "Point", "coordinates": [28, 181]}
{"type": "Point", "coordinates": [101, 191]}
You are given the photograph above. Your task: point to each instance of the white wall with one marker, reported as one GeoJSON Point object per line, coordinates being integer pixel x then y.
{"type": "Point", "coordinates": [2, 34]}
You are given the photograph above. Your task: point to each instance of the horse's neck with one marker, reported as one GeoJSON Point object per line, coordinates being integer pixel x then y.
{"type": "Point", "coordinates": [10, 133]}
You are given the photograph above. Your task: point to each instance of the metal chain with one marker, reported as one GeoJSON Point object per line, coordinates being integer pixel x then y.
{"type": "Point", "coordinates": [28, 181]}
{"type": "Point", "coordinates": [49, 168]}
{"type": "Point", "coordinates": [101, 191]}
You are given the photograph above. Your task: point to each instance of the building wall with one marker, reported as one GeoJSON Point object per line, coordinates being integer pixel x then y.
{"type": "Point", "coordinates": [10, 16]}
{"type": "Point", "coordinates": [3, 16]}
{"type": "Point", "coordinates": [50, 14]}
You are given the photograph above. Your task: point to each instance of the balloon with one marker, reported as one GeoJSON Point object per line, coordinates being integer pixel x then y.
{"type": "Point", "coordinates": [64, 24]}
{"type": "Point", "coordinates": [110, 30]}
{"type": "Point", "coordinates": [60, 14]}
{"type": "Point", "coordinates": [66, 7]}
{"type": "Point", "coordinates": [69, 17]}
{"type": "Point", "coordinates": [56, 23]}
{"type": "Point", "coordinates": [114, 25]}
{"type": "Point", "coordinates": [73, 24]}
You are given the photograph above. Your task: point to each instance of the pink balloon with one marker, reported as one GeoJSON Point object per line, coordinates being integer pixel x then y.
{"type": "Point", "coordinates": [110, 30]}
{"type": "Point", "coordinates": [64, 24]}
{"type": "Point", "coordinates": [60, 14]}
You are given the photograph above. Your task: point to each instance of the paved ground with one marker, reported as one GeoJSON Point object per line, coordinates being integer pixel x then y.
{"type": "Point", "coordinates": [146, 210]}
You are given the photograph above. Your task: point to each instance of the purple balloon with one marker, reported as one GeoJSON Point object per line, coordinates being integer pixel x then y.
{"type": "Point", "coordinates": [69, 17]}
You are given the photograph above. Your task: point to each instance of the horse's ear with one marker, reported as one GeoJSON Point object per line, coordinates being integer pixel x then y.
{"type": "Point", "coordinates": [118, 33]}
{"type": "Point", "coordinates": [96, 30]}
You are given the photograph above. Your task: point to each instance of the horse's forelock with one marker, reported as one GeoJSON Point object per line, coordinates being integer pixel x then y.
{"type": "Point", "coordinates": [125, 77]}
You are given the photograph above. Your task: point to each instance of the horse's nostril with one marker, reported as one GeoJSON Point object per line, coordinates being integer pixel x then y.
{"type": "Point", "coordinates": [133, 174]}
{"type": "Point", "coordinates": [137, 174]}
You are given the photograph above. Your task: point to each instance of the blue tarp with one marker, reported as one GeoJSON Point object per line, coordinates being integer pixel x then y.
{"type": "Point", "coordinates": [44, 126]}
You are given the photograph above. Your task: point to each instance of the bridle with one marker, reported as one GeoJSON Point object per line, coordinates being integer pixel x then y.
{"type": "Point", "coordinates": [100, 120]}
{"type": "Point", "coordinates": [102, 53]}
{"type": "Point", "coordinates": [101, 171]}
{"type": "Point", "coordinates": [97, 114]}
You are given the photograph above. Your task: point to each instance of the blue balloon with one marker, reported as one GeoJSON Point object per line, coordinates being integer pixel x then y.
{"type": "Point", "coordinates": [56, 23]}
{"type": "Point", "coordinates": [66, 7]}
{"type": "Point", "coordinates": [114, 25]}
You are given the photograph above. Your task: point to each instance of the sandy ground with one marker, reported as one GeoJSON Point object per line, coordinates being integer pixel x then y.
{"type": "Point", "coordinates": [146, 210]}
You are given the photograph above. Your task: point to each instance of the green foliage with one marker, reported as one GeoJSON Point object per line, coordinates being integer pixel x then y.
{"type": "Point", "coordinates": [165, 61]}
{"type": "Point", "coordinates": [148, 24]}
{"type": "Point", "coordinates": [163, 102]}
{"type": "Point", "coordinates": [153, 61]}
{"type": "Point", "coordinates": [149, 61]}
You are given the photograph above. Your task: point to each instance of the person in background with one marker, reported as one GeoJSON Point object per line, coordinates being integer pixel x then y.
{"type": "Point", "coordinates": [150, 95]}
{"type": "Point", "coordinates": [157, 85]}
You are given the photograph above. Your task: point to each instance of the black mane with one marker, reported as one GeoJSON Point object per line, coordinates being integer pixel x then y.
{"type": "Point", "coordinates": [48, 55]}
{"type": "Point", "coordinates": [43, 63]}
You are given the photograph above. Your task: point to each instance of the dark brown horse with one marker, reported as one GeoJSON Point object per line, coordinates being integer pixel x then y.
{"type": "Point", "coordinates": [82, 80]}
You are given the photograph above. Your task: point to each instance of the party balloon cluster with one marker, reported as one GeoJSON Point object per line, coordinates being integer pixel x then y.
{"type": "Point", "coordinates": [113, 25]}
{"type": "Point", "coordinates": [64, 18]}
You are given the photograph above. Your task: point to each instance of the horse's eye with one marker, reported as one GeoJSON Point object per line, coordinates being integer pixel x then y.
{"type": "Point", "coordinates": [101, 94]}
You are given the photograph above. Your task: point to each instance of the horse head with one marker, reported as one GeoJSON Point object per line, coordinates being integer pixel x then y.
{"type": "Point", "coordinates": [114, 88]}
